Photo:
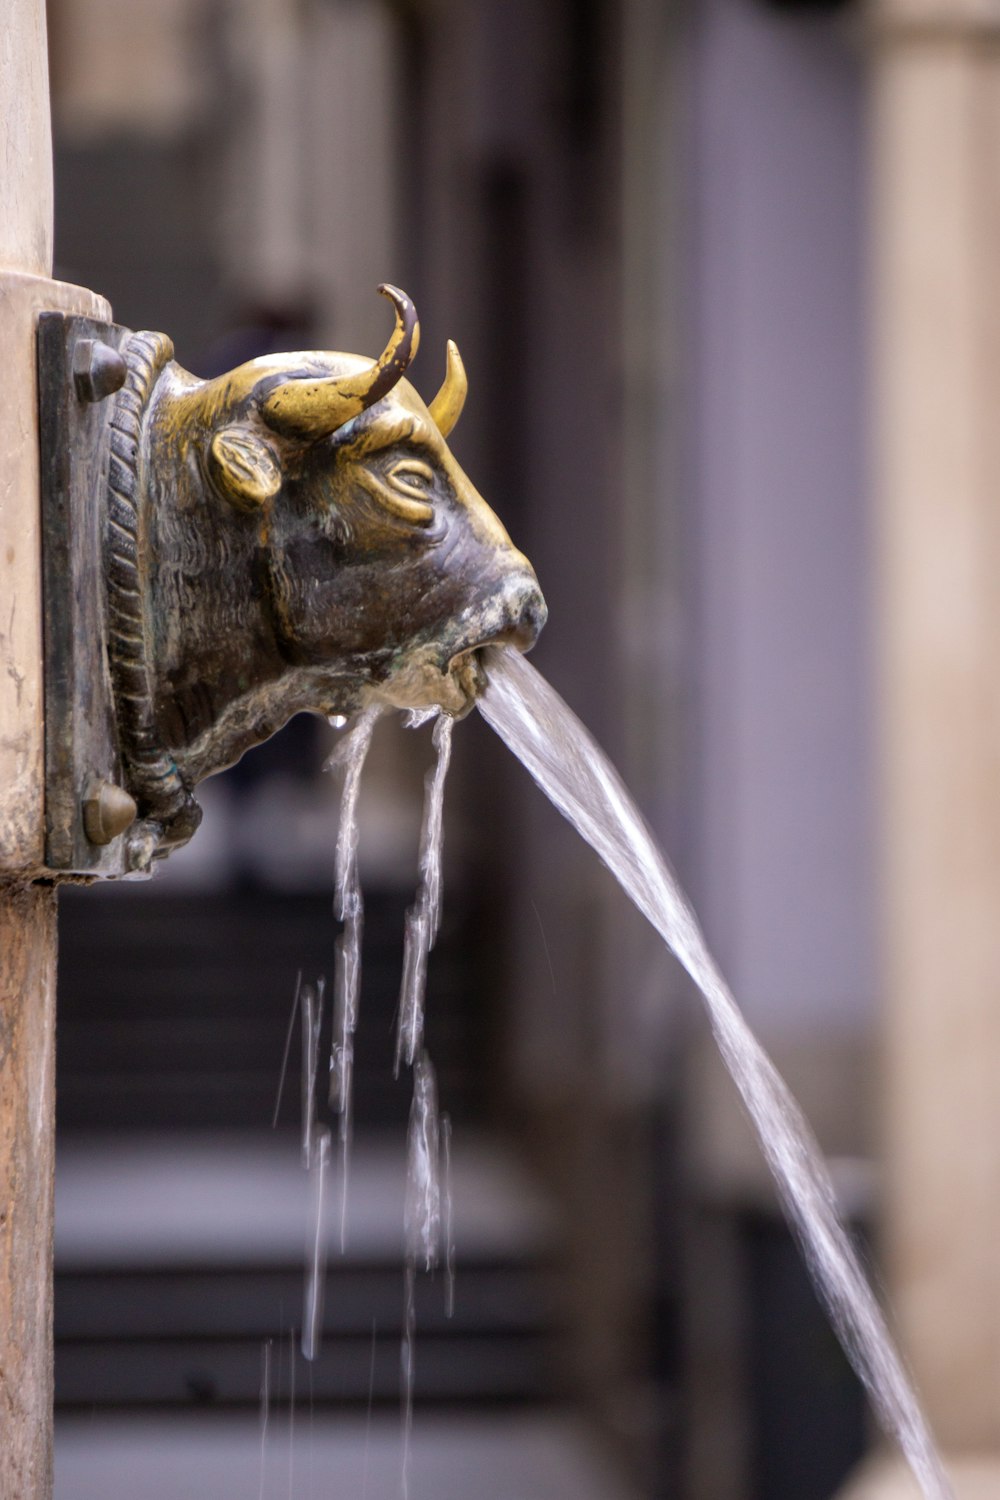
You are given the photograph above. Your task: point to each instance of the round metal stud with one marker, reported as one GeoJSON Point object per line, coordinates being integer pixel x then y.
{"type": "Point", "coordinates": [107, 811]}
{"type": "Point", "coordinates": [98, 370]}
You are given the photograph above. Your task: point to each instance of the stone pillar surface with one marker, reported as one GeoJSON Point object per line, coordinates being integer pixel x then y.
{"type": "Point", "coordinates": [27, 1107]}
{"type": "Point", "coordinates": [22, 743]}
{"type": "Point", "coordinates": [936, 311]}
{"type": "Point", "coordinates": [27, 909]}
{"type": "Point", "coordinates": [25, 140]}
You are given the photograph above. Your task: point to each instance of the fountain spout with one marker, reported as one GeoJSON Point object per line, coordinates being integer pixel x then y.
{"type": "Point", "coordinates": [292, 536]}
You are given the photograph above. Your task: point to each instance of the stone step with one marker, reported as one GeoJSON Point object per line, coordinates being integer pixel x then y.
{"type": "Point", "coordinates": [173, 1007]}
{"type": "Point", "coordinates": [178, 1260]}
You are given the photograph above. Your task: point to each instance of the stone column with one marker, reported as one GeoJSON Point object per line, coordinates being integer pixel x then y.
{"type": "Point", "coordinates": [936, 310]}
{"type": "Point", "coordinates": [27, 908]}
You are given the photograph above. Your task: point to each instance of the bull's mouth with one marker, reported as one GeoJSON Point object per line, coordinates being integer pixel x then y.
{"type": "Point", "coordinates": [447, 672]}
{"type": "Point", "coordinates": [468, 672]}
{"type": "Point", "coordinates": [450, 675]}
{"type": "Point", "coordinates": [421, 682]}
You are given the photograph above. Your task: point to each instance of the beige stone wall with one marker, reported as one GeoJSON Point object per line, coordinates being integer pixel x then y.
{"type": "Point", "coordinates": [936, 311]}
{"type": "Point", "coordinates": [937, 316]}
{"type": "Point", "coordinates": [27, 911]}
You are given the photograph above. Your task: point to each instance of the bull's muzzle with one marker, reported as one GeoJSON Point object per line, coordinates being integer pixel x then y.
{"type": "Point", "coordinates": [527, 611]}
{"type": "Point", "coordinates": [507, 608]}
{"type": "Point", "coordinates": [508, 611]}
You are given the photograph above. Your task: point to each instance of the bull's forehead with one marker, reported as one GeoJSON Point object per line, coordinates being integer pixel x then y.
{"type": "Point", "coordinates": [325, 361]}
{"type": "Point", "coordinates": [403, 418]}
{"type": "Point", "coordinates": [241, 389]}
{"type": "Point", "coordinates": [247, 385]}
{"type": "Point", "coordinates": [305, 362]}
{"type": "Point", "coordinates": [399, 416]}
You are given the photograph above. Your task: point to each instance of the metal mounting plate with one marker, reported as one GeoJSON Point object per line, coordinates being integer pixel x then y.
{"type": "Point", "coordinates": [81, 746]}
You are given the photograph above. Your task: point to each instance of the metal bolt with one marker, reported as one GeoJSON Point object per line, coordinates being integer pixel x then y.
{"type": "Point", "coordinates": [140, 849]}
{"type": "Point", "coordinates": [98, 370]}
{"type": "Point", "coordinates": [107, 811]}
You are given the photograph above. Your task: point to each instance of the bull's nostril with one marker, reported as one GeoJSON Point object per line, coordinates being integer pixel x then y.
{"type": "Point", "coordinates": [528, 617]}
{"type": "Point", "coordinates": [511, 615]}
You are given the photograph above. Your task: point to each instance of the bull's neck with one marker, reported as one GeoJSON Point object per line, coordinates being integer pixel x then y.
{"type": "Point", "coordinates": [200, 666]}
{"type": "Point", "coordinates": [224, 677]}
{"type": "Point", "coordinates": [217, 662]}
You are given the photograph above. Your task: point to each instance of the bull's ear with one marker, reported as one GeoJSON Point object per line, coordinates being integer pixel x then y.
{"type": "Point", "coordinates": [244, 467]}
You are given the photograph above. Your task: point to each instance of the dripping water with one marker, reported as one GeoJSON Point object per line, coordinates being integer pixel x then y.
{"type": "Point", "coordinates": [312, 1313]}
{"type": "Point", "coordinates": [422, 1223]}
{"type": "Point", "coordinates": [315, 1152]}
{"type": "Point", "coordinates": [579, 779]}
{"type": "Point", "coordinates": [424, 917]}
{"type": "Point", "coordinates": [447, 1218]}
{"type": "Point", "coordinates": [349, 755]}
{"type": "Point", "coordinates": [265, 1406]}
{"type": "Point", "coordinates": [425, 1159]}
{"type": "Point", "coordinates": [312, 1022]}
{"type": "Point", "coordinates": [422, 1209]}
{"type": "Point", "coordinates": [288, 1050]}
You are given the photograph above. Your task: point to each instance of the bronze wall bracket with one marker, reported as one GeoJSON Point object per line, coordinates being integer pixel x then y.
{"type": "Point", "coordinates": [294, 536]}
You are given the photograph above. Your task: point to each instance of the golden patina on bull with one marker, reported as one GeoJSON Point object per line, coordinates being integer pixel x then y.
{"type": "Point", "coordinates": [292, 536]}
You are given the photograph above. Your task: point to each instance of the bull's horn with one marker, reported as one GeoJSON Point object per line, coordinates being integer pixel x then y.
{"type": "Point", "coordinates": [446, 408]}
{"type": "Point", "coordinates": [312, 408]}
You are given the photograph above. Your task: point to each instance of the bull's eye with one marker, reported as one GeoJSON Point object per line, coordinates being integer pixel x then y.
{"type": "Point", "coordinates": [409, 484]}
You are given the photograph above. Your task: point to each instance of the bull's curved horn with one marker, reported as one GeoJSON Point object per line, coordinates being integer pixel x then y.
{"type": "Point", "coordinates": [446, 408]}
{"type": "Point", "coordinates": [312, 408]}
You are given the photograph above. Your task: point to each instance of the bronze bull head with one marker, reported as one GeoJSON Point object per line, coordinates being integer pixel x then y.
{"type": "Point", "coordinates": [292, 536]}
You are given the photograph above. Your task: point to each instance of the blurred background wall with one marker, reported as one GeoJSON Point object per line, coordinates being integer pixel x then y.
{"type": "Point", "coordinates": [646, 226]}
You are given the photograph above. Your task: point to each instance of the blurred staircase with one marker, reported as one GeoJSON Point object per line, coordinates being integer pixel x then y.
{"type": "Point", "coordinates": [182, 1218]}
{"type": "Point", "coordinates": [179, 1261]}
{"type": "Point", "coordinates": [174, 1007]}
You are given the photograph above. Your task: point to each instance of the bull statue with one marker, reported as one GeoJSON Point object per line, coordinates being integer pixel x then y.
{"type": "Point", "coordinates": [292, 536]}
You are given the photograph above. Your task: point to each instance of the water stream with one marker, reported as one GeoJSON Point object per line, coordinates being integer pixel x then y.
{"type": "Point", "coordinates": [568, 765]}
